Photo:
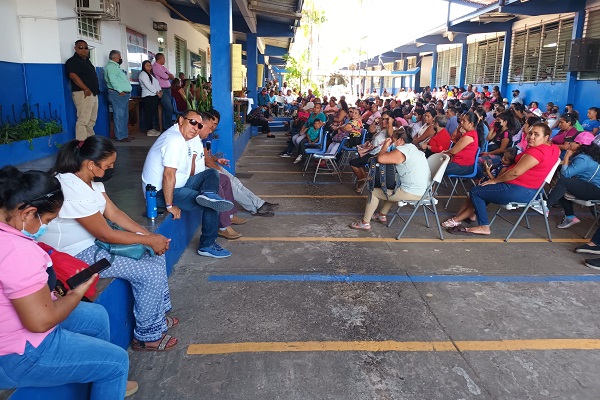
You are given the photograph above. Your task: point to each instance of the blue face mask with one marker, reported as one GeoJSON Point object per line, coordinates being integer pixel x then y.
{"type": "Point", "coordinates": [414, 118]}
{"type": "Point", "coordinates": [40, 232]}
{"type": "Point", "coordinates": [392, 147]}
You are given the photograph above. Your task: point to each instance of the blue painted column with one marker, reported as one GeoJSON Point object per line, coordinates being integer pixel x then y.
{"type": "Point", "coordinates": [261, 80]}
{"type": "Point", "coordinates": [462, 75]}
{"type": "Point", "coordinates": [577, 34]}
{"type": "Point", "coordinates": [280, 79]}
{"type": "Point", "coordinates": [252, 60]}
{"type": "Point", "coordinates": [505, 62]}
{"type": "Point", "coordinates": [434, 68]}
{"type": "Point", "coordinates": [418, 74]}
{"type": "Point", "coordinates": [221, 36]}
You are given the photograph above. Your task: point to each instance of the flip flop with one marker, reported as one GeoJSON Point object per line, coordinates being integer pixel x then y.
{"type": "Point", "coordinates": [172, 321]}
{"type": "Point", "coordinates": [460, 230]}
{"type": "Point", "coordinates": [138, 345]}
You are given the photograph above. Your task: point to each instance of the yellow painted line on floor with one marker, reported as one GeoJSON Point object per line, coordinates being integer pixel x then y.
{"type": "Point", "coordinates": [341, 196]}
{"type": "Point", "coordinates": [404, 240]}
{"type": "Point", "coordinates": [273, 156]}
{"type": "Point", "coordinates": [290, 172]}
{"type": "Point", "coordinates": [390, 345]}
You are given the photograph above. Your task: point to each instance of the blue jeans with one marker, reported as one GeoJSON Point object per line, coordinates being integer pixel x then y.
{"type": "Point", "coordinates": [120, 106]}
{"type": "Point", "coordinates": [455, 169]}
{"type": "Point", "coordinates": [166, 102]}
{"type": "Point", "coordinates": [185, 198]}
{"type": "Point", "coordinates": [76, 351]}
{"type": "Point", "coordinates": [500, 193]}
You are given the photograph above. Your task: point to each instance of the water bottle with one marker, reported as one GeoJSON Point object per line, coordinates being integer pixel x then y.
{"type": "Point", "coordinates": [151, 210]}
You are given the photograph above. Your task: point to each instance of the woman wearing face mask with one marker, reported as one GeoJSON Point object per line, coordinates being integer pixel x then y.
{"type": "Point", "coordinates": [81, 167]}
{"type": "Point", "coordinates": [46, 341]}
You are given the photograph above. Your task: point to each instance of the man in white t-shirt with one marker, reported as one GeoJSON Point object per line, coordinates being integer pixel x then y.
{"type": "Point", "coordinates": [168, 167]}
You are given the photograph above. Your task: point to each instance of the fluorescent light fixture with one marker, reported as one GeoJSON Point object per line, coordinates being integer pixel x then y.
{"type": "Point", "coordinates": [551, 45]}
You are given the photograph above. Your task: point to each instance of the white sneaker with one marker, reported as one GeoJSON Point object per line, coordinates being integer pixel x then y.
{"type": "Point", "coordinates": [153, 132]}
{"type": "Point", "coordinates": [298, 159]}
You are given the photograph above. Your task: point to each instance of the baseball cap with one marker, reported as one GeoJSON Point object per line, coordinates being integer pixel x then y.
{"type": "Point", "coordinates": [263, 89]}
{"type": "Point", "coordinates": [585, 138]}
{"type": "Point", "coordinates": [505, 100]}
{"type": "Point", "coordinates": [308, 106]}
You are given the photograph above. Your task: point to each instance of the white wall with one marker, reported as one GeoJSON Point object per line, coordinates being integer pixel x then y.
{"type": "Point", "coordinates": [44, 31]}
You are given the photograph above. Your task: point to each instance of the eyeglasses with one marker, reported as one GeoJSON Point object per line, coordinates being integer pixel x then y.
{"type": "Point", "coordinates": [45, 196]}
{"type": "Point", "coordinates": [83, 47]}
{"type": "Point", "coordinates": [193, 122]}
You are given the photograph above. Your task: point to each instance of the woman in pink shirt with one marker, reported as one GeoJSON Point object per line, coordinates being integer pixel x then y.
{"type": "Point", "coordinates": [46, 341]}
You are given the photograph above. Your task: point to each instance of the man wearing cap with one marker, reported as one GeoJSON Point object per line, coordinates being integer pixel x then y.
{"type": "Point", "coordinates": [85, 87]}
{"type": "Point", "coordinates": [257, 117]}
{"type": "Point", "coordinates": [516, 97]}
{"type": "Point", "coordinates": [263, 98]}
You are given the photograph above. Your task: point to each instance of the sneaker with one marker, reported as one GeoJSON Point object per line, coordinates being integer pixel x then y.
{"type": "Point", "coordinates": [153, 132]}
{"type": "Point", "coordinates": [298, 159]}
{"type": "Point", "coordinates": [266, 207]}
{"type": "Point", "coordinates": [214, 251]}
{"type": "Point", "coordinates": [214, 201]}
{"type": "Point", "coordinates": [567, 222]}
{"type": "Point", "coordinates": [229, 233]}
{"type": "Point", "coordinates": [586, 248]}
{"type": "Point", "coordinates": [593, 263]}
{"type": "Point", "coordinates": [285, 155]}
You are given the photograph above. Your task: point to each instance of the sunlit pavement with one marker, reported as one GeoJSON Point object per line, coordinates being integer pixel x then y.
{"type": "Point", "coordinates": [307, 308]}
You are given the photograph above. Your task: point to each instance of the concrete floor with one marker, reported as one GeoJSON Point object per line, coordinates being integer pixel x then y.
{"type": "Point", "coordinates": [485, 331]}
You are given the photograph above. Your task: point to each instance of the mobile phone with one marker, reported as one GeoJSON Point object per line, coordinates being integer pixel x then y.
{"type": "Point", "coordinates": [87, 273]}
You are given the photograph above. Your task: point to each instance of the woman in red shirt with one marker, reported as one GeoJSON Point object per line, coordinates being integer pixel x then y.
{"type": "Point", "coordinates": [464, 151]}
{"type": "Point", "coordinates": [519, 183]}
{"type": "Point", "coordinates": [440, 141]}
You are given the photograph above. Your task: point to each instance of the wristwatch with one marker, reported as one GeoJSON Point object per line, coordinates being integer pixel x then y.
{"type": "Point", "coordinates": [169, 206]}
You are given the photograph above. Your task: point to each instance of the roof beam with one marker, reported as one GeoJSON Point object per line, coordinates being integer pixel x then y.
{"type": "Point", "coordinates": [275, 51]}
{"type": "Point", "coordinates": [199, 16]}
{"type": "Point", "coordinates": [273, 29]}
{"type": "Point", "coordinates": [534, 8]}
{"type": "Point", "coordinates": [440, 39]}
{"type": "Point", "coordinates": [414, 49]}
{"type": "Point", "coordinates": [478, 27]}
{"type": "Point", "coordinates": [249, 16]}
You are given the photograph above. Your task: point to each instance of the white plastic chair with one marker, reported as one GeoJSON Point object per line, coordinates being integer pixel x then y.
{"type": "Point", "coordinates": [537, 203]}
{"type": "Point", "coordinates": [586, 203]}
{"type": "Point", "coordinates": [437, 166]}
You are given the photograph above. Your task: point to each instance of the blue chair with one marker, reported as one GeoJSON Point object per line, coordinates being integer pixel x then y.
{"type": "Point", "coordinates": [347, 152]}
{"type": "Point", "coordinates": [330, 159]}
{"type": "Point", "coordinates": [176, 112]}
{"type": "Point", "coordinates": [461, 178]}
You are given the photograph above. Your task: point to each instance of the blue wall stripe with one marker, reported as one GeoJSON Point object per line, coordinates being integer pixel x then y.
{"type": "Point", "coordinates": [405, 278]}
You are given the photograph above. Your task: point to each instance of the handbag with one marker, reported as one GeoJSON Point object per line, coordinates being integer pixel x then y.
{"type": "Point", "coordinates": [135, 251]}
{"type": "Point", "coordinates": [382, 176]}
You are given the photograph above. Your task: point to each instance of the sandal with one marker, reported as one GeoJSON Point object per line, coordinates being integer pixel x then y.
{"type": "Point", "coordinates": [360, 226]}
{"type": "Point", "coordinates": [379, 218]}
{"type": "Point", "coordinates": [451, 223]}
{"type": "Point", "coordinates": [172, 321]}
{"type": "Point", "coordinates": [131, 388]}
{"type": "Point", "coordinates": [167, 343]}
{"type": "Point", "coordinates": [270, 135]}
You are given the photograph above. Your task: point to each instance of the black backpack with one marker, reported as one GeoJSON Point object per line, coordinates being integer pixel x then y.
{"type": "Point", "coordinates": [382, 176]}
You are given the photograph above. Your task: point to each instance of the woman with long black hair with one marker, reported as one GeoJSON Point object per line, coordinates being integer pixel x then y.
{"type": "Point", "coordinates": [48, 341]}
{"type": "Point", "coordinates": [463, 153]}
{"type": "Point", "coordinates": [151, 94]}
{"type": "Point", "coordinates": [81, 167]}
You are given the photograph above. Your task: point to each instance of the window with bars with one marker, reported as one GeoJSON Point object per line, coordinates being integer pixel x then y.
{"type": "Point", "coordinates": [137, 53]}
{"type": "Point", "coordinates": [448, 64]}
{"type": "Point", "coordinates": [411, 63]}
{"type": "Point", "coordinates": [89, 28]}
{"type": "Point", "coordinates": [591, 30]}
{"type": "Point", "coordinates": [484, 61]}
{"type": "Point", "coordinates": [541, 53]}
{"type": "Point", "coordinates": [180, 55]}
{"type": "Point", "coordinates": [399, 65]}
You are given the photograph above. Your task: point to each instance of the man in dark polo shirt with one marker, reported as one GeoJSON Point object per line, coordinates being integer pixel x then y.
{"type": "Point", "coordinates": [84, 85]}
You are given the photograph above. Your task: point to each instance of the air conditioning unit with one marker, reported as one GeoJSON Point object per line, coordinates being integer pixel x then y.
{"type": "Point", "coordinates": [105, 9]}
{"type": "Point", "coordinates": [585, 55]}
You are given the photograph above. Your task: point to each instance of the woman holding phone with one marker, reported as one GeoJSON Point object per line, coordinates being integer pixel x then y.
{"type": "Point", "coordinates": [47, 341]}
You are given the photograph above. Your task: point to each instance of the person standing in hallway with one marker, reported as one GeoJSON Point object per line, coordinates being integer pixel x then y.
{"type": "Point", "coordinates": [164, 77]}
{"type": "Point", "coordinates": [85, 87]}
{"type": "Point", "coordinates": [119, 93]}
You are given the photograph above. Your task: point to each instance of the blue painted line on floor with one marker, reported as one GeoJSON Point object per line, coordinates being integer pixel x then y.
{"type": "Point", "coordinates": [406, 278]}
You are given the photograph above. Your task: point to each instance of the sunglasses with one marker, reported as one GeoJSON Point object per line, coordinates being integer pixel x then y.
{"type": "Point", "coordinates": [83, 47]}
{"type": "Point", "coordinates": [193, 122]}
{"type": "Point", "coordinates": [42, 197]}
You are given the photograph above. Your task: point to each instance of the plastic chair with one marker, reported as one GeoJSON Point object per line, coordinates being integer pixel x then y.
{"type": "Point", "coordinates": [537, 203]}
{"type": "Point", "coordinates": [460, 178]}
{"type": "Point", "coordinates": [330, 159]}
{"type": "Point", "coordinates": [348, 151]}
{"type": "Point", "coordinates": [176, 112]}
{"type": "Point", "coordinates": [322, 143]}
{"type": "Point", "coordinates": [437, 165]}
{"type": "Point", "coordinates": [586, 203]}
